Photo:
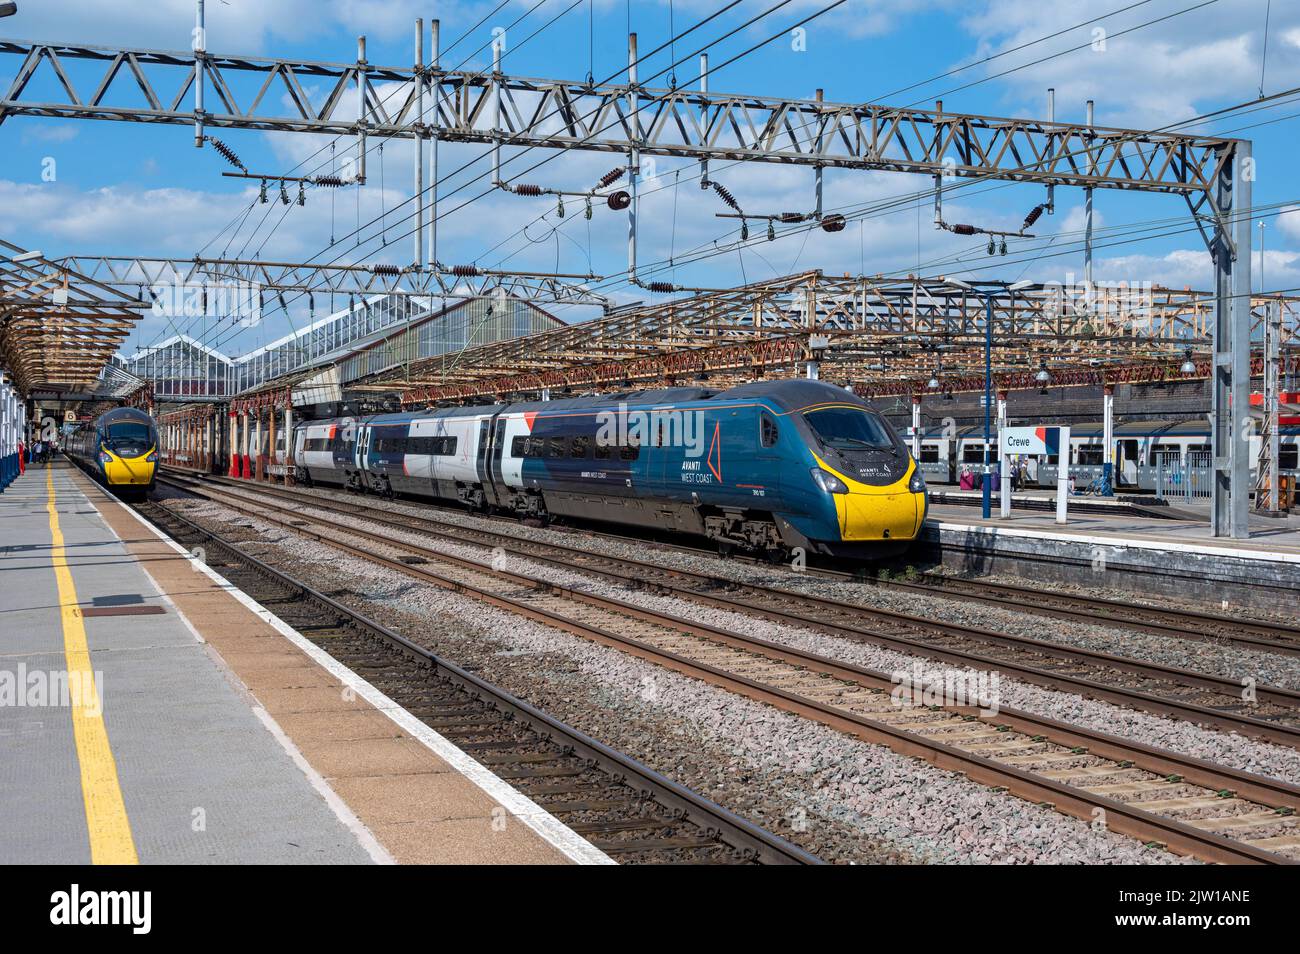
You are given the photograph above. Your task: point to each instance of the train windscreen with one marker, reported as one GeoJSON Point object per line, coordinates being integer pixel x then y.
{"type": "Point", "coordinates": [128, 438]}
{"type": "Point", "coordinates": [849, 428]}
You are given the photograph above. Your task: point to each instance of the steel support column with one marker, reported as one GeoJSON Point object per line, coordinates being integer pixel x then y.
{"type": "Point", "coordinates": [1230, 368]}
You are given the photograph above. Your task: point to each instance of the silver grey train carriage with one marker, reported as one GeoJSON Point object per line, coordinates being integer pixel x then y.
{"type": "Point", "coordinates": [1147, 454]}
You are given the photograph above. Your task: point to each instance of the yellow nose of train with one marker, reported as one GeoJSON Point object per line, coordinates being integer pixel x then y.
{"type": "Point", "coordinates": [127, 471]}
{"type": "Point", "coordinates": [886, 512]}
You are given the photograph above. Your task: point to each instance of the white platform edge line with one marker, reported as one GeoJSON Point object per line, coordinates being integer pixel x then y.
{"type": "Point", "coordinates": [1121, 543]}
{"type": "Point", "coordinates": [377, 852]}
{"type": "Point", "coordinates": [557, 834]}
{"type": "Point", "coordinates": [365, 838]}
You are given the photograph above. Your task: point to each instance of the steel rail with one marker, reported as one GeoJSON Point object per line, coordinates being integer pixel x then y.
{"type": "Point", "coordinates": [1122, 817]}
{"type": "Point", "coordinates": [641, 574]}
{"type": "Point", "coordinates": [749, 840]}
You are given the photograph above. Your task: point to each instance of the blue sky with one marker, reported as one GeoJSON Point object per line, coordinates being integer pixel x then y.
{"type": "Point", "coordinates": [124, 188]}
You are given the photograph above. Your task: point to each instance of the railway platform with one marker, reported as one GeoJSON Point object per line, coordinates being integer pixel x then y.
{"type": "Point", "coordinates": [151, 713]}
{"type": "Point", "coordinates": [1126, 551]}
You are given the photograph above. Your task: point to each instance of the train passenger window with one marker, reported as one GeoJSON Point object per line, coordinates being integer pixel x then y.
{"type": "Point", "coordinates": [556, 447]}
{"type": "Point", "coordinates": [1090, 454]}
{"type": "Point", "coordinates": [929, 453]}
{"type": "Point", "coordinates": [1168, 453]}
{"type": "Point", "coordinates": [631, 450]}
{"type": "Point", "coordinates": [579, 446]}
{"type": "Point", "coordinates": [767, 430]}
{"type": "Point", "coordinates": [519, 446]}
{"type": "Point", "coordinates": [1288, 457]}
{"type": "Point", "coordinates": [601, 451]}
{"type": "Point", "coordinates": [972, 454]}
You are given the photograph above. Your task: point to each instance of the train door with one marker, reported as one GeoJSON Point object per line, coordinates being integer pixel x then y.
{"type": "Point", "coordinates": [362, 458]}
{"type": "Point", "coordinates": [767, 437]}
{"type": "Point", "coordinates": [492, 439]}
{"type": "Point", "coordinates": [1127, 458]}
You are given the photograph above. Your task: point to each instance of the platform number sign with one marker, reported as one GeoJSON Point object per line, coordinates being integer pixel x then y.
{"type": "Point", "coordinates": [49, 428]}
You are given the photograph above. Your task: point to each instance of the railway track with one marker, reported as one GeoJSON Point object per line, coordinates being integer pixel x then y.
{"type": "Point", "coordinates": [622, 807]}
{"type": "Point", "coordinates": [1189, 805]}
{"type": "Point", "coordinates": [1235, 631]}
{"type": "Point", "coordinates": [1273, 715]}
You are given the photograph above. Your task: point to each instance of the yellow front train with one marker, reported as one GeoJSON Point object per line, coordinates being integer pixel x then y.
{"type": "Point", "coordinates": [120, 448]}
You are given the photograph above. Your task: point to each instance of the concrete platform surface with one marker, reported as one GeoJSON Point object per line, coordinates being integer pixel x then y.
{"type": "Point", "coordinates": [1271, 538]}
{"type": "Point", "coordinates": [150, 713]}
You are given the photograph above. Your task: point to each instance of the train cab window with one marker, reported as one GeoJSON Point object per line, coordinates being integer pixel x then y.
{"type": "Point", "coordinates": [579, 446]}
{"type": "Point", "coordinates": [929, 453]}
{"type": "Point", "coordinates": [128, 434]}
{"type": "Point", "coordinates": [1288, 457]}
{"type": "Point", "coordinates": [767, 430]}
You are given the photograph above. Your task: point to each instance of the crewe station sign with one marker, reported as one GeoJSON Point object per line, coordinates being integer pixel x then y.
{"type": "Point", "coordinates": [1034, 440]}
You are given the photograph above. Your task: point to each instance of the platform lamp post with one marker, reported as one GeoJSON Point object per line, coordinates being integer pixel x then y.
{"type": "Point", "coordinates": [986, 484]}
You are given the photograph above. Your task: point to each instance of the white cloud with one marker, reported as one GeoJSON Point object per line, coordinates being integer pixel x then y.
{"type": "Point", "coordinates": [1288, 222]}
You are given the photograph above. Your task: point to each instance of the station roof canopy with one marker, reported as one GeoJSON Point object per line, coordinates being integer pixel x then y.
{"type": "Point", "coordinates": [880, 335]}
{"type": "Point", "coordinates": [58, 328]}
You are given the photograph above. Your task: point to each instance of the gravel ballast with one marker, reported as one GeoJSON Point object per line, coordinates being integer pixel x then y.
{"type": "Point", "coordinates": [854, 801]}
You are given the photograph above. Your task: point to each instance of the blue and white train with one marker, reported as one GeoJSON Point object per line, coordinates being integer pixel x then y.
{"type": "Point", "coordinates": [767, 466]}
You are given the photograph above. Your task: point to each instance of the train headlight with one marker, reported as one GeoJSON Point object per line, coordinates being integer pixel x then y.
{"type": "Point", "coordinates": [828, 482]}
{"type": "Point", "coordinates": [152, 458]}
{"type": "Point", "coordinates": [105, 457]}
{"type": "Point", "coordinates": [917, 484]}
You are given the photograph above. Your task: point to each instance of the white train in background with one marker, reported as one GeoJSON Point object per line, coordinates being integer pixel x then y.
{"type": "Point", "coordinates": [1173, 453]}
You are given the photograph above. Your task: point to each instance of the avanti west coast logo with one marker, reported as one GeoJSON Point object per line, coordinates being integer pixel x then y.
{"type": "Point", "coordinates": [77, 907]}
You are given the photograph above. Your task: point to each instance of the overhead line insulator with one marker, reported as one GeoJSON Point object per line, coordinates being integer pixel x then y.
{"type": "Point", "coordinates": [226, 153]}
{"type": "Point", "coordinates": [1034, 214]}
{"type": "Point", "coordinates": [611, 177]}
{"type": "Point", "coordinates": [527, 189]}
{"type": "Point", "coordinates": [384, 269]}
{"type": "Point", "coordinates": [465, 271]}
{"type": "Point", "coordinates": [725, 195]}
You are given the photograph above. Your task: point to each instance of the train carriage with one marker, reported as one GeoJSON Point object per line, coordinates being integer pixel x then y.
{"type": "Point", "coordinates": [1145, 452]}
{"type": "Point", "coordinates": [769, 466]}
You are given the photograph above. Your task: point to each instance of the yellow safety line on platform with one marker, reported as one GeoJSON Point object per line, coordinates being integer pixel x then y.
{"type": "Point", "coordinates": [106, 822]}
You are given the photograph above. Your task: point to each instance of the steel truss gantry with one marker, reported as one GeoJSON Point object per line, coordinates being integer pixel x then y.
{"type": "Point", "coordinates": [428, 103]}
{"type": "Point", "coordinates": [342, 279]}
{"type": "Point", "coordinates": [881, 335]}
